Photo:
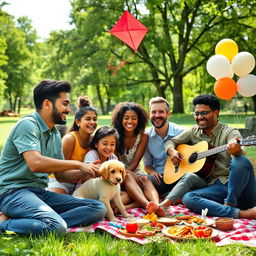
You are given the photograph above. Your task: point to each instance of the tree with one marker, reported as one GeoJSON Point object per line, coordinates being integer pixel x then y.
{"type": "Point", "coordinates": [20, 40]}
{"type": "Point", "coordinates": [182, 36]}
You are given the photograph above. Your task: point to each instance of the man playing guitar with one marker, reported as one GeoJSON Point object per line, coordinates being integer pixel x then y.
{"type": "Point", "coordinates": [230, 189]}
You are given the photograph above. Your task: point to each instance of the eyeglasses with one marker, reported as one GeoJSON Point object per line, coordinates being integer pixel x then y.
{"type": "Point", "coordinates": [203, 113]}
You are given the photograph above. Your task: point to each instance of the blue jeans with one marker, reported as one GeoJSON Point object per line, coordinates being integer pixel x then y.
{"type": "Point", "coordinates": [37, 211]}
{"type": "Point", "coordinates": [176, 190]}
{"type": "Point", "coordinates": [239, 191]}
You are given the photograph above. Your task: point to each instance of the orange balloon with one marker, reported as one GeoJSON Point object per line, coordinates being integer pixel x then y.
{"type": "Point", "coordinates": [225, 88]}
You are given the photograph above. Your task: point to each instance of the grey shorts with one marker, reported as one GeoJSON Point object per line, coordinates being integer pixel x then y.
{"type": "Point", "coordinates": [68, 187]}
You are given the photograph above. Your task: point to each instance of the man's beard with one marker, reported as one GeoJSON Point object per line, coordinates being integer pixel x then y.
{"type": "Point", "coordinates": [163, 122]}
{"type": "Point", "coordinates": [56, 116]}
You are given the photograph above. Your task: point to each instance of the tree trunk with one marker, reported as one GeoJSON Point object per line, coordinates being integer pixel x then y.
{"type": "Point", "coordinates": [100, 99]}
{"type": "Point", "coordinates": [10, 101]}
{"type": "Point", "coordinates": [19, 105]}
{"type": "Point", "coordinates": [108, 104]}
{"type": "Point", "coordinates": [161, 91]}
{"type": "Point", "coordinates": [177, 95]}
{"type": "Point", "coordinates": [15, 103]}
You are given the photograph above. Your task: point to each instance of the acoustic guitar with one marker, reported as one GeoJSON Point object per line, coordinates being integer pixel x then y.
{"type": "Point", "coordinates": [198, 159]}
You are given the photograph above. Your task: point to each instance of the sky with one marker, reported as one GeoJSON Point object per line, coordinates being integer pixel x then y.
{"type": "Point", "coordinates": [46, 15]}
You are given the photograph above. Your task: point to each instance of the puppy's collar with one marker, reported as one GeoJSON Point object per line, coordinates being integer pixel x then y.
{"type": "Point", "coordinates": [107, 181]}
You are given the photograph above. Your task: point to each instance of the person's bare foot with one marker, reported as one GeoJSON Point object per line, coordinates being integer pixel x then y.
{"type": "Point", "coordinates": [166, 203]}
{"type": "Point", "coordinates": [248, 214]}
{"type": "Point", "coordinates": [153, 207]}
{"type": "Point", "coordinates": [160, 212]}
{"type": "Point", "coordinates": [3, 217]}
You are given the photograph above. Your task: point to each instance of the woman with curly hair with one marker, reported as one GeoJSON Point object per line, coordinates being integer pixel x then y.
{"type": "Point", "coordinates": [130, 120]}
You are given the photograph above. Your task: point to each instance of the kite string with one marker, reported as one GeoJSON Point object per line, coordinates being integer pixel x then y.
{"type": "Point", "coordinates": [116, 68]}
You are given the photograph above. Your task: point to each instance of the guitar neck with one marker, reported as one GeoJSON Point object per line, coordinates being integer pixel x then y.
{"type": "Point", "coordinates": [249, 141]}
{"type": "Point", "coordinates": [212, 151]}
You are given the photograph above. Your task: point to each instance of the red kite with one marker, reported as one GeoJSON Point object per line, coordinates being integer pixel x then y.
{"type": "Point", "coordinates": [129, 30]}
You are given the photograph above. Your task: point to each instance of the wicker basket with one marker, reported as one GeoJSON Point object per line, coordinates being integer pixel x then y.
{"type": "Point", "coordinates": [224, 223]}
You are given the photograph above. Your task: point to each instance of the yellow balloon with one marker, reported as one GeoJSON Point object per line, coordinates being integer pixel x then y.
{"type": "Point", "coordinates": [227, 47]}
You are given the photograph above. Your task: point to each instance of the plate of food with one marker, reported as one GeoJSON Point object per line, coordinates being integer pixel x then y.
{"type": "Point", "coordinates": [167, 221]}
{"type": "Point", "coordinates": [140, 233]}
{"type": "Point", "coordinates": [154, 226]}
{"type": "Point", "coordinates": [194, 220]}
{"type": "Point", "coordinates": [190, 232]}
{"type": "Point", "coordinates": [142, 222]}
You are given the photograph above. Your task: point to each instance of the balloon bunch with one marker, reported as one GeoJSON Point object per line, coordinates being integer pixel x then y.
{"type": "Point", "coordinates": [227, 62]}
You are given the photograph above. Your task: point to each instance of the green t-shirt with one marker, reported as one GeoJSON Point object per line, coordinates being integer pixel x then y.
{"type": "Point", "coordinates": [221, 134]}
{"type": "Point", "coordinates": [30, 133]}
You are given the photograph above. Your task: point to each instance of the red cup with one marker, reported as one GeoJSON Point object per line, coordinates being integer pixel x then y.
{"type": "Point", "coordinates": [131, 225]}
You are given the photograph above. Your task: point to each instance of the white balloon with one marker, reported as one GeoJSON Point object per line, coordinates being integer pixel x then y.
{"type": "Point", "coordinates": [246, 86]}
{"type": "Point", "coordinates": [219, 66]}
{"type": "Point", "coordinates": [243, 63]}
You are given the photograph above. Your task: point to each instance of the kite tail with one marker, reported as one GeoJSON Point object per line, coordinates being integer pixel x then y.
{"type": "Point", "coordinates": [116, 68]}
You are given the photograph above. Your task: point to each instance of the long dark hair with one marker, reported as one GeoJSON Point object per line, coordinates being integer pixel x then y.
{"type": "Point", "coordinates": [84, 105]}
{"type": "Point", "coordinates": [102, 132]}
{"type": "Point", "coordinates": [117, 119]}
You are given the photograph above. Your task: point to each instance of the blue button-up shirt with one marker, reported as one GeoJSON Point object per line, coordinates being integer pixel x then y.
{"type": "Point", "coordinates": [155, 155]}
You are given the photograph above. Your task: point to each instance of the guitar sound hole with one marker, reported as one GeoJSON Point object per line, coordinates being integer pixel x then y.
{"type": "Point", "coordinates": [193, 158]}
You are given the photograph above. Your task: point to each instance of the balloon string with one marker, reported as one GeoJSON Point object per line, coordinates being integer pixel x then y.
{"type": "Point", "coordinates": [116, 68]}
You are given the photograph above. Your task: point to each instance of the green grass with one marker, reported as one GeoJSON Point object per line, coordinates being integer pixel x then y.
{"type": "Point", "coordinates": [101, 243]}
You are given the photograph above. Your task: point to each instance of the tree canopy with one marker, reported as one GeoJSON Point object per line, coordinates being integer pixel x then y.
{"type": "Point", "coordinates": [170, 62]}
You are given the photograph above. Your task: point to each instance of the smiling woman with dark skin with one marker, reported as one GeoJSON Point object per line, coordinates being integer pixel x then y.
{"type": "Point", "coordinates": [130, 120]}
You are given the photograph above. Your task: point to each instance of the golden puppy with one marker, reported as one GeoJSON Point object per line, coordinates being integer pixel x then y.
{"type": "Point", "coordinates": [106, 188]}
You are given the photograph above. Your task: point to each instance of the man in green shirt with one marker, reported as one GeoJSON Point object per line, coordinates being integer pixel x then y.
{"type": "Point", "coordinates": [230, 190]}
{"type": "Point", "coordinates": [32, 151]}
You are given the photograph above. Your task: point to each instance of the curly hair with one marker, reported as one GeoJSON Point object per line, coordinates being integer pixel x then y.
{"type": "Point", "coordinates": [117, 120]}
{"type": "Point", "coordinates": [207, 99]}
{"type": "Point", "coordinates": [83, 105]}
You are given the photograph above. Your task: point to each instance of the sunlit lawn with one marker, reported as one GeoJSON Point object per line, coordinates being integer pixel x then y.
{"type": "Point", "coordinates": [101, 243]}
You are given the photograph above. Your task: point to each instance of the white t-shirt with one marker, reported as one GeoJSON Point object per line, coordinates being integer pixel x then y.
{"type": "Point", "coordinates": [93, 156]}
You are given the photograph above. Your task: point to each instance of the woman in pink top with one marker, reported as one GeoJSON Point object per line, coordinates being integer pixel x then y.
{"type": "Point", "coordinates": [76, 144]}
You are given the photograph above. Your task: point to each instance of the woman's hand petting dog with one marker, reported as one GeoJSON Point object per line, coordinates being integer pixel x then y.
{"type": "Point", "coordinates": [91, 169]}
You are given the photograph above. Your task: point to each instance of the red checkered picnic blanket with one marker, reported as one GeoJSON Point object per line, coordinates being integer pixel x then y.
{"type": "Point", "coordinates": [244, 231]}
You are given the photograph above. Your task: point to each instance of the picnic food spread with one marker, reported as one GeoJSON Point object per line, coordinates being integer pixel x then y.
{"type": "Point", "coordinates": [141, 222]}
{"type": "Point", "coordinates": [154, 226]}
{"type": "Point", "coordinates": [179, 227]}
{"type": "Point", "coordinates": [188, 232]}
{"type": "Point", "coordinates": [167, 221]}
{"type": "Point", "coordinates": [140, 233]}
{"type": "Point", "coordinates": [191, 219]}
{"type": "Point", "coordinates": [151, 217]}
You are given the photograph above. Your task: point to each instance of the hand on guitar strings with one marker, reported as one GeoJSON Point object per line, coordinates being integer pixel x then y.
{"type": "Point", "coordinates": [176, 156]}
{"type": "Point", "coordinates": [234, 148]}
